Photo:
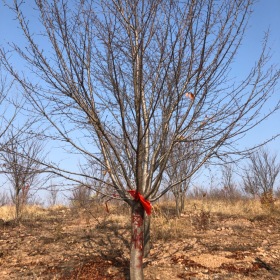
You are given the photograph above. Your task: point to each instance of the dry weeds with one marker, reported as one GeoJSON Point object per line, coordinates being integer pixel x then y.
{"type": "Point", "coordinates": [211, 240]}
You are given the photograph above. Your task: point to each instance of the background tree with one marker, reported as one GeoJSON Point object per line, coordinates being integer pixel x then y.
{"type": "Point", "coordinates": [122, 82]}
{"type": "Point", "coordinates": [182, 161]}
{"type": "Point", "coordinates": [9, 111]}
{"type": "Point", "coordinates": [7, 115]}
{"type": "Point", "coordinates": [81, 197]}
{"type": "Point", "coordinates": [229, 189]}
{"type": "Point", "coordinates": [261, 174]}
{"type": "Point", "coordinates": [4, 199]}
{"type": "Point", "coordinates": [53, 194]}
{"type": "Point", "coordinates": [21, 165]}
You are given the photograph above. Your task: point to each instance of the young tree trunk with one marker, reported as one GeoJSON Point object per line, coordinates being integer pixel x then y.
{"type": "Point", "coordinates": [147, 235]}
{"type": "Point", "coordinates": [137, 242]}
{"type": "Point", "coordinates": [17, 203]}
{"type": "Point", "coordinates": [178, 207]}
{"type": "Point", "coordinates": [182, 202]}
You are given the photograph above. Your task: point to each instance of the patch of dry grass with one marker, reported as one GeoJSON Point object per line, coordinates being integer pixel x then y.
{"type": "Point", "coordinates": [58, 207]}
{"type": "Point", "coordinates": [200, 214]}
{"type": "Point", "coordinates": [7, 212]}
{"type": "Point", "coordinates": [172, 229]}
{"type": "Point", "coordinates": [245, 208]}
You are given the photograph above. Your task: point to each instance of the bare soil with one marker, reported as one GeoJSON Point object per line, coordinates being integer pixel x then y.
{"type": "Point", "coordinates": [77, 245]}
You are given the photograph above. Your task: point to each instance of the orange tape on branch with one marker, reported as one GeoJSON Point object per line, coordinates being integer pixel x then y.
{"type": "Point", "coordinates": [190, 95]}
{"type": "Point", "coordinates": [145, 203]}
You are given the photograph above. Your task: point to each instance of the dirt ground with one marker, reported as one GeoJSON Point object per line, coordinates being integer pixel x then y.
{"type": "Point", "coordinates": [76, 245]}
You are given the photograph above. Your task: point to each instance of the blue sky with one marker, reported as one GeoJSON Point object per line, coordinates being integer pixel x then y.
{"type": "Point", "coordinates": [266, 16]}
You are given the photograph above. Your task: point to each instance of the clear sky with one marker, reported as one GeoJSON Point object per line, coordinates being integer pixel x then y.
{"type": "Point", "coordinates": [266, 16]}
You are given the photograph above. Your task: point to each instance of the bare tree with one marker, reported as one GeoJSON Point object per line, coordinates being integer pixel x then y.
{"type": "Point", "coordinates": [21, 165]}
{"type": "Point", "coordinates": [4, 199]}
{"type": "Point", "coordinates": [182, 162]}
{"type": "Point", "coordinates": [81, 196]}
{"type": "Point", "coordinates": [6, 117]}
{"type": "Point", "coordinates": [53, 194]}
{"type": "Point", "coordinates": [229, 189]}
{"type": "Point", "coordinates": [123, 82]}
{"type": "Point", "coordinates": [261, 174]}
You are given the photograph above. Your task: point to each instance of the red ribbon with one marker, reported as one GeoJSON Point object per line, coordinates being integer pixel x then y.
{"type": "Point", "coordinates": [145, 203]}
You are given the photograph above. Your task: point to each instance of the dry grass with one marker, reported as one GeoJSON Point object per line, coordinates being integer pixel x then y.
{"type": "Point", "coordinates": [161, 229]}
{"type": "Point", "coordinates": [200, 214]}
{"type": "Point", "coordinates": [7, 212]}
{"type": "Point", "coordinates": [65, 238]}
{"type": "Point", "coordinates": [165, 225]}
{"type": "Point", "coordinates": [245, 208]}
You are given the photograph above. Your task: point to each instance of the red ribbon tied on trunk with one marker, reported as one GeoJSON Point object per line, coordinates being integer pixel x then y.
{"type": "Point", "coordinates": [145, 203]}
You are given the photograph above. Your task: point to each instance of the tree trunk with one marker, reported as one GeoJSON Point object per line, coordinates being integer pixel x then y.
{"type": "Point", "coordinates": [137, 242]}
{"type": "Point", "coordinates": [147, 236]}
{"type": "Point", "coordinates": [177, 200]}
{"type": "Point", "coordinates": [17, 207]}
{"type": "Point", "coordinates": [182, 202]}
{"type": "Point", "coordinates": [17, 203]}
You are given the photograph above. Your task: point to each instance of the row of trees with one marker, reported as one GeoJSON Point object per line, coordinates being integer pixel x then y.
{"type": "Point", "coordinates": [141, 90]}
{"type": "Point", "coordinates": [257, 179]}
